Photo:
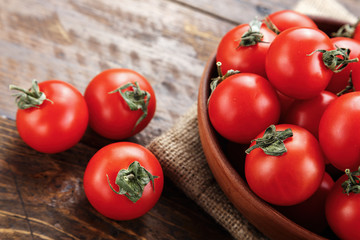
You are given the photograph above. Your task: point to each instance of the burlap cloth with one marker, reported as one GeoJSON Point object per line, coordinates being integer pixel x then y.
{"type": "Point", "coordinates": [180, 152]}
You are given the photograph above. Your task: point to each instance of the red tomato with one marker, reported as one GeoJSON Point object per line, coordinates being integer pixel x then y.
{"type": "Point", "coordinates": [307, 113]}
{"type": "Point", "coordinates": [102, 171]}
{"type": "Point", "coordinates": [342, 211]}
{"type": "Point", "coordinates": [290, 178]}
{"type": "Point", "coordinates": [286, 19]}
{"type": "Point", "coordinates": [339, 131]}
{"type": "Point", "coordinates": [243, 105]}
{"type": "Point", "coordinates": [311, 213]}
{"type": "Point", "coordinates": [355, 76]}
{"type": "Point", "coordinates": [56, 124]}
{"type": "Point", "coordinates": [285, 103]}
{"type": "Point", "coordinates": [244, 58]}
{"type": "Point", "coordinates": [110, 115]}
{"type": "Point", "coordinates": [292, 65]}
{"type": "Point", "coordinates": [340, 80]}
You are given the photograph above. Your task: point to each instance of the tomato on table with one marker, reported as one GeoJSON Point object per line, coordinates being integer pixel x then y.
{"type": "Point", "coordinates": [339, 132]}
{"type": "Point", "coordinates": [123, 180]}
{"type": "Point", "coordinates": [284, 165]}
{"type": "Point", "coordinates": [52, 116]}
{"type": "Point", "coordinates": [342, 206]}
{"type": "Point", "coordinates": [244, 47]}
{"type": "Point", "coordinates": [243, 105]}
{"type": "Point", "coordinates": [285, 19]}
{"type": "Point", "coordinates": [121, 103]}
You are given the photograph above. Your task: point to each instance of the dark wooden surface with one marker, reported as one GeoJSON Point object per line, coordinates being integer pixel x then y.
{"type": "Point", "coordinates": [167, 41]}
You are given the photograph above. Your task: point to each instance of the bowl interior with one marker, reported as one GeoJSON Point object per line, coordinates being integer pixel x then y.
{"type": "Point", "coordinates": [226, 161]}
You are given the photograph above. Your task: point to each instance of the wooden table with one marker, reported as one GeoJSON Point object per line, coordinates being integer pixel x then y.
{"type": "Point", "coordinates": [168, 41]}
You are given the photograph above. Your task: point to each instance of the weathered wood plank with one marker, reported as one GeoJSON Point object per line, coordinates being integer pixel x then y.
{"type": "Point", "coordinates": [42, 197]}
{"type": "Point", "coordinates": [242, 11]}
{"type": "Point", "coordinates": [74, 40]}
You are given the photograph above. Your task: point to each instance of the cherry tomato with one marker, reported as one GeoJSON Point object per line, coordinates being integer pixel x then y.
{"type": "Point", "coordinates": [289, 178]}
{"type": "Point", "coordinates": [292, 65]}
{"type": "Point", "coordinates": [244, 58]}
{"type": "Point", "coordinates": [307, 113]}
{"type": "Point", "coordinates": [340, 80]}
{"type": "Point", "coordinates": [110, 112]}
{"type": "Point", "coordinates": [339, 131]}
{"type": "Point", "coordinates": [243, 105]}
{"type": "Point", "coordinates": [55, 124]}
{"type": "Point", "coordinates": [311, 213]}
{"type": "Point", "coordinates": [342, 210]}
{"type": "Point", "coordinates": [113, 163]}
{"type": "Point", "coordinates": [355, 76]}
{"type": "Point", "coordinates": [286, 19]}
{"type": "Point", "coordinates": [285, 103]}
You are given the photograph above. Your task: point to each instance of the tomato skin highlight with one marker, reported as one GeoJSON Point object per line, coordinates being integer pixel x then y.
{"type": "Point", "coordinates": [54, 126]}
{"type": "Point", "coordinates": [291, 178]}
{"type": "Point", "coordinates": [242, 106]}
{"type": "Point", "coordinates": [342, 211]}
{"type": "Point", "coordinates": [286, 19]}
{"type": "Point", "coordinates": [339, 132]}
{"type": "Point", "coordinates": [109, 160]}
{"type": "Point", "coordinates": [293, 67]}
{"type": "Point", "coordinates": [110, 116]}
{"type": "Point", "coordinates": [250, 59]}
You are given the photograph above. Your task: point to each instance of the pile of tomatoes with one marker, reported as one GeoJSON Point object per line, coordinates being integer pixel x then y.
{"type": "Point", "coordinates": [291, 93]}
{"type": "Point", "coordinates": [123, 180]}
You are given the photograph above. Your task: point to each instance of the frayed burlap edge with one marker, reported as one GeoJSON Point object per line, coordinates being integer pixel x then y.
{"type": "Point", "coordinates": [180, 153]}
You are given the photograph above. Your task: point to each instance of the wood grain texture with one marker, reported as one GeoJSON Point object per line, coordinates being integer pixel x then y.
{"type": "Point", "coordinates": [167, 41]}
{"type": "Point", "coordinates": [75, 40]}
{"type": "Point", "coordinates": [42, 197]}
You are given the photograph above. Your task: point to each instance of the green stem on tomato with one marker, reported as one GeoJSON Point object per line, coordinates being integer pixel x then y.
{"type": "Point", "coordinates": [253, 36]}
{"type": "Point", "coordinates": [336, 60]}
{"type": "Point", "coordinates": [136, 99]}
{"type": "Point", "coordinates": [132, 181]}
{"type": "Point", "coordinates": [216, 81]}
{"type": "Point", "coordinates": [272, 142]}
{"type": "Point", "coordinates": [29, 98]}
{"type": "Point", "coordinates": [271, 25]}
{"type": "Point", "coordinates": [349, 86]}
{"type": "Point", "coordinates": [352, 184]}
{"type": "Point", "coordinates": [346, 30]}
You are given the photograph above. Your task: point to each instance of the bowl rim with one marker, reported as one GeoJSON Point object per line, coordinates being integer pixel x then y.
{"type": "Point", "coordinates": [259, 213]}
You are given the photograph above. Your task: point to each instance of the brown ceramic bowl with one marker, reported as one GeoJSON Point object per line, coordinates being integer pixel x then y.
{"type": "Point", "coordinates": [229, 173]}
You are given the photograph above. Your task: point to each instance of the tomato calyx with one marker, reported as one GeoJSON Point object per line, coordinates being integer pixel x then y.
{"type": "Point", "coordinates": [132, 181]}
{"type": "Point", "coordinates": [253, 36]}
{"type": "Point", "coordinates": [216, 81]}
{"type": "Point", "coordinates": [29, 98]}
{"type": "Point", "coordinates": [272, 142]}
{"type": "Point", "coordinates": [271, 25]}
{"type": "Point", "coordinates": [336, 60]}
{"type": "Point", "coordinates": [346, 30]}
{"type": "Point", "coordinates": [349, 86]}
{"type": "Point", "coordinates": [353, 182]}
{"type": "Point", "coordinates": [136, 99]}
